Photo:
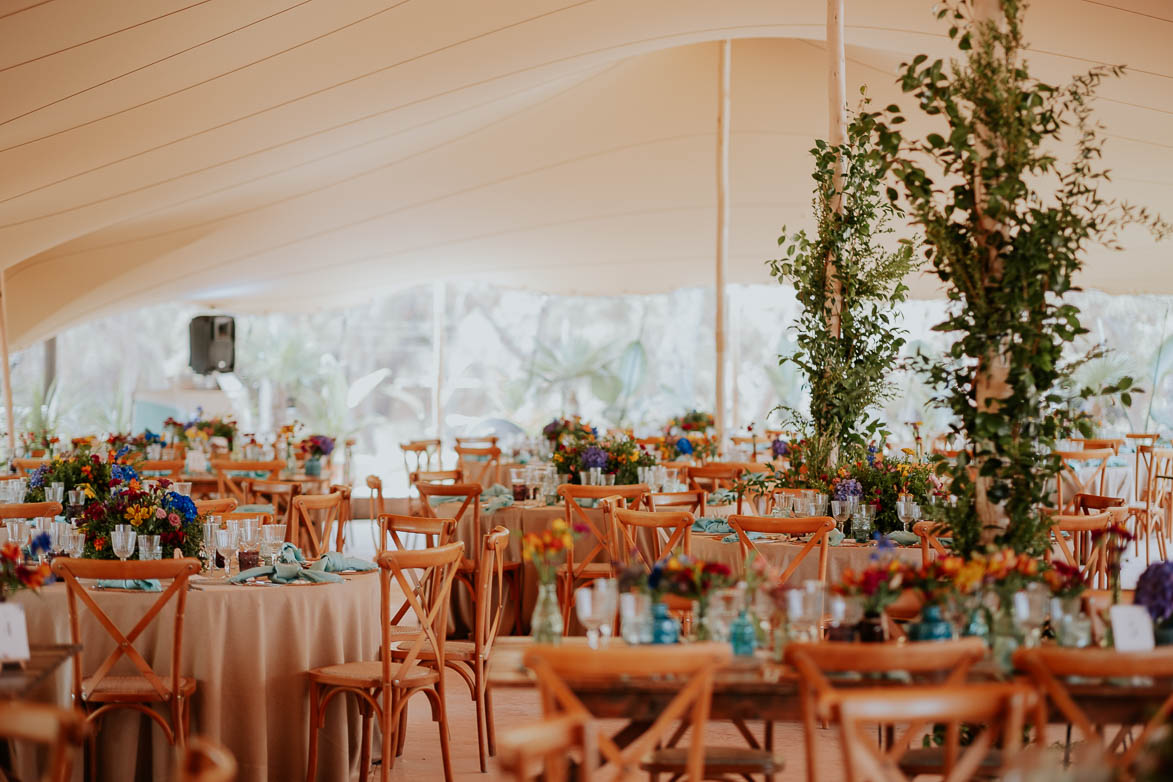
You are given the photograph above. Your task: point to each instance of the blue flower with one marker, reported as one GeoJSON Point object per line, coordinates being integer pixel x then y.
{"type": "Point", "coordinates": [884, 546]}
{"type": "Point", "coordinates": [182, 505]}
{"type": "Point", "coordinates": [594, 456]}
{"type": "Point", "coordinates": [124, 473]}
{"type": "Point", "coordinates": [123, 451]}
{"type": "Point", "coordinates": [871, 454]}
{"type": "Point", "coordinates": [150, 437]}
{"type": "Point", "coordinates": [37, 479]}
{"type": "Point", "coordinates": [684, 446]}
{"type": "Point", "coordinates": [39, 543]}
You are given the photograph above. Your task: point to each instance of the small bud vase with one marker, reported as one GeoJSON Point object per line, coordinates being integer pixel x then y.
{"type": "Point", "coordinates": [546, 621]}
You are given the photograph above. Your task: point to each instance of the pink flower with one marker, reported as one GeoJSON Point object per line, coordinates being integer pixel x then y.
{"type": "Point", "coordinates": [160, 513]}
{"type": "Point", "coordinates": [174, 519]}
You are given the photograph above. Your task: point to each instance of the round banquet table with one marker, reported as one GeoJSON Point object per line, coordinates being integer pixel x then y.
{"type": "Point", "coordinates": [779, 554]}
{"type": "Point", "coordinates": [248, 647]}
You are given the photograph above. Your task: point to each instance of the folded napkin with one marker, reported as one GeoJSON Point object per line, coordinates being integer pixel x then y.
{"type": "Point", "coordinates": [902, 538]}
{"type": "Point", "coordinates": [335, 562]}
{"type": "Point", "coordinates": [497, 503]}
{"type": "Point", "coordinates": [835, 537]}
{"type": "Point", "coordinates": [434, 501]}
{"type": "Point", "coordinates": [723, 497]}
{"type": "Point", "coordinates": [497, 490]}
{"type": "Point", "coordinates": [553, 499]}
{"type": "Point", "coordinates": [588, 502]}
{"type": "Point", "coordinates": [257, 508]}
{"type": "Point", "coordinates": [139, 584]}
{"type": "Point", "coordinates": [285, 573]}
{"type": "Point", "coordinates": [291, 554]}
{"type": "Point", "coordinates": [710, 524]}
{"type": "Point", "coordinates": [751, 535]}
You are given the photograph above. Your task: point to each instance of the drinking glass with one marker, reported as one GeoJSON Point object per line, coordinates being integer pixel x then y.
{"type": "Point", "coordinates": [913, 513]}
{"type": "Point", "coordinates": [840, 510]}
{"type": "Point", "coordinates": [150, 547]}
{"type": "Point", "coordinates": [272, 536]}
{"type": "Point", "coordinates": [607, 592]}
{"type": "Point", "coordinates": [226, 543]}
{"type": "Point", "coordinates": [77, 501]}
{"type": "Point", "coordinates": [55, 492]}
{"type": "Point", "coordinates": [76, 544]}
{"type": "Point", "coordinates": [584, 477]}
{"type": "Point", "coordinates": [635, 615]}
{"type": "Point", "coordinates": [211, 524]}
{"type": "Point", "coordinates": [18, 531]}
{"type": "Point", "coordinates": [122, 541]}
{"type": "Point", "coordinates": [250, 542]}
{"type": "Point", "coordinates": [182, 487]}
{"type": "Point", "coordinates": [517, 482]}
{"type": "Point", "coordinates": [903, 511]}
{"type": "Point", "coordinates": [671, 478]}
{"type": "Point", "coordinates": [154, 452]}
{"type": "Point", "coordinates": [589, 613]}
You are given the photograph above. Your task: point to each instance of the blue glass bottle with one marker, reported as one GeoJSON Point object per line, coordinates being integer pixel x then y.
{"type": "Point", "coordinates": [743, 636]}
{"type": "Point", "coordinates": [665, 629]}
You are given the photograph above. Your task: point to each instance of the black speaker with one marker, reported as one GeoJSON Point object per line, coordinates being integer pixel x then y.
{"type": "Point", "coordinates": [212, 339]}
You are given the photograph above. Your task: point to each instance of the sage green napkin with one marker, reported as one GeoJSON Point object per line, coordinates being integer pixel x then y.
{"type": "Point", "coordinates": [711, 524]}
{"type": "Point", "coordinates": [902, 538]}
{"type": "Point", "coordinates": [285, 573]}
{"type": "Point", "coordinates": [334, 562]}
{"type": "Point", "coordinates": [497, 503]}
{"type": "Point", "coordinates": [291, 554]}
{"type": "Point", "coordinates": [497, 490]}
{"type": "Point", "coordinates": [835, 537]}
{"type": "Point", "coordinates": [137, 584]}
{"type": "Point", "coordinates": [257, 508]}
{"type": "Point", "coordinates": [751, 535]}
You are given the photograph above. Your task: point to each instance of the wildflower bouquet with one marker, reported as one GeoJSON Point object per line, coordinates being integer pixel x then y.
{"type": "Point", "coordinates": [1066, 581]}
{"type": "Point", "coordinates": [695, 443]}
{"type": "Point", "coordinates": [1154, 591]}
{"type": "Point", "coordinates": [43, 440]}
{"type": "Point", "coordinates": [692, 421]}
{"type": "Point", "coordinates": [877, 586]}
{"type": "Point", "coordinates": [316, 445]}
{"type": "Point", "coordinates": [936, 581]}
{"type": "Point", "coordinates": [624, 456]}
{"type": "Point", "coordinates": [562, 430]}
{"type": "Point", "coordinates": [546, 550]}
{"type": "Point", "coordinates": [14, 574]}
{"type": "Point", "coordinates": [688, 578]}
{"type": "Point", "coordinates": [199, 428]}
{"type": "Point", "coordinates": [155, 511]}
{"type": "Point", "coordinates": [95, 474]}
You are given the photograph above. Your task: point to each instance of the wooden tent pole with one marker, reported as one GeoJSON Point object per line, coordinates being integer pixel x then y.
{"type": "Point", "coordinates": [10, 419]}
{"type": "Point", "coordinates": [439, 322]}
{"type": "Point", "coordinates": [723, 112]}
{"type": "Point", "coordinates": [837, 135]}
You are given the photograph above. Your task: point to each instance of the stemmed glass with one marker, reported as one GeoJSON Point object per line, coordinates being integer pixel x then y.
{"type": "Point", "coordinates": [272, 536]}
{"type": "Point", "coordinates": [607, 592]}
{"type": "Point", "coordinates": [250, 541]}
{"type": "Point", "coordinates": [211, 524]}
{"type": "Point", "coordinates": [75, 544]}
{"type": "Point", "coordinates": [840, 510]}
{"type": "Point", "coordinates": [904, 510]}
{"type": "Point", "coordinates": [122, 541]}
{"type": "Point", "coordinates": [595, 608]}
{"type": "Point", "coordinates": [226, 543]}
{"type": "Point", "coordinates": [913, 512]}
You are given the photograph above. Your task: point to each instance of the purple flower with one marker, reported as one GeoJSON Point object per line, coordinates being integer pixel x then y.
{"type": "Point", "coordinates": [1154, 590]}
{"type": "Point", "coordinates": [594, 456]}
{"type": "Point", "coordinates": [324, 444]}
{"type": "Point", "coordinates": [551, 429]}
{"type": "Point", "coordinates": [779, 447]}
{"type": "Point", "coordinates": [847, 489]}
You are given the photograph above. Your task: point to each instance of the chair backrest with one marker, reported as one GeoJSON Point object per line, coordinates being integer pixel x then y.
{"type": "Point", "coordinates": [489, 589]}
{"type": "Point", "coordinates": [266, 518]}
{"type": "Point", "coordinates": [1159, 490]}
{"type": "Point", "coordinates": [1087, 503]}
{"type": "Point", "coordinates": [947, 660]}
{"type": "Point", "coordinates": [547, 748]}
{"type": "Point", "coordinates": [1100, 443]}
{"type": "Point", "coordinates": [468, 494]}
{"type": "Point", "coordinates": [178, 570]}
{"type": "Point", "coordinates": [714, 475]}
{"type": "Point", "coordinates": [438, 566]}
{"type": "Point", "coordinates": [436, 476]}
{"type": "Point", "coordinates": [558, 667]}
{"type": "Point", "coordinates": [436, 531]}
{"type": "Point", "coordinates": [1084, 545]}
{"type": "Point", "coordinates": [479, 464]}
{"type": "Point", "coordinates": [999, 709]}
{"type": "Point", "coordinates": [26, 466]}
{"type": "Point", "coordinates": [817, 527]}
{"type": "Point", "coordinates": [422, 452]}
{"type": "Point", "coordinates": [629, 524]}
{"type": "Point", "coordinates": [488, 441]}
{"type": "Point", "coordinates": [375, 484]}
{"type": "Point", "coordinates": [303, 529]}
{"type": "Point", "coordinates": [631, 495]}
{"type": "Point", "coordinates": [215, 507]}
{"type": "Point", "coordinates": [203, 760]}
{"type": "Point", "coordinates": [172, 467]}
{"type": "Point", "coordinates": [1144, 444]}
{"type": "Point", "coordinates": [228, 480]}
{"type": "Point", "coordinates": [1094, 483]}
{"type": "Point", "coordinates": [930, 533]}
{"type": "Point", "coordinates": [1052, 667]}
{"type": "Point", "coordinates": [29, 510]}
{"type": "Point", "coordinates": [691, 501]}
{"type": "Point", "coordinates": [62, 731]}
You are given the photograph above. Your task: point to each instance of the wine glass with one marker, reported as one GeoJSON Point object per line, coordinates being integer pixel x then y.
{"type": "Point", "coordinates": [913, 512]}
{"type": "Point", "coordinates": [903, 510]}
{"type": "Point", "coordinates": [272, 537]}
{"type": "Point", "coordinates": [840, 510]}
{"type": "Point", "coordinates": [250, 541]}
{"type": "Point", "coordinates": [122, 541]}
{"type": "Point", "coordinates": [607, 591]}
{"type": "Point", "coordinates": [211, 524]}
{"type": "Point", "coordinates": [587, 605]}
{"type": "Point", "coordinates": [76, 544]}
{"type": "Point", "coordinates": [226, 542]}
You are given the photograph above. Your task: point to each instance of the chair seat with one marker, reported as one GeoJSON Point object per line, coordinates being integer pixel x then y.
{"type": "Point", "coordinates": [931, 760]}
{"type": "Point", "coordinates": [369, 674]}
{"type": "Point", "coordinates": [718, 760]}
{"type": "Point", "coordinates": [453, 650]}
{"type": "Point", "coordinates": [591, 570]}
{"type": "Point", "coordinates": [132, 689]}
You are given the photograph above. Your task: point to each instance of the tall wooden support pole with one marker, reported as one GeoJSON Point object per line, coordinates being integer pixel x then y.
{"type": "Point", "coordinates": [723, 112]}
{"type": "Point", "coordinates": [836, 135]}
{"type": "Point", "coordinates": [10, 419]}
{"type": "Point", "coordinates": [439, 323]}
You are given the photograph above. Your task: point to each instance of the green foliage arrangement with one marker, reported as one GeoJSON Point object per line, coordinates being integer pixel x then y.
{"type": "Point", "coordinates": [1006, 224]}
{"type": "Point", "coordinates": [848, 368]}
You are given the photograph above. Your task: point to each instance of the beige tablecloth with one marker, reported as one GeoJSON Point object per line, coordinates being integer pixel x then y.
{"type": "Point", "coordinates": [248, 648]}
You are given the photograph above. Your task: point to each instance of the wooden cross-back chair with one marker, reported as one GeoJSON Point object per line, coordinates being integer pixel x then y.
{"type": "Point", "coordinates": [277, 493]}
{"type": "Point", "coordinates": [343, 519]}
{"type": "Point", "coordinates": [303, 529]}
{"type": "Point", "coordinates": [486, 441]}
{"type": "Point", "coordinates": [578, 571]}
{"type": "Point", "coordinates": [433, 477]}
{"type": "Point", "coordinates": [229, 483]}
{"type": "Point", "coordinates": [467, 494]}
{"type": "Point", "coordinates": [996, 712]}
{"type": "Point", "coordinates": [929, 533]}
{"type": "Point", "coordinates": [375, 484]}
{"type": "Point", "coordinates": [470, 659]}
{"type": "Point", "coordinates": [101, 692]}
{"type": "Point", "coordinates": [817, 527]}
{"type": "Point", "coordinates": [480, 465]}
{"type": "Point", "coordinates": [1095, 483]}
{"type": "Point", "coordinates": [1052, 669]}
{"type": "Point", "coordinates": [384, 687]}
{"type": "Point", "coordinates": [1083, 545]}
{"type": "Point", "coordinates": [947, 661]}
{"type": "Point", "coordinates": [1154, 514]}
{"type": "Point", "coordinates": [714, 475]}
{"type": "Point", "coordinates": [26, 466]}
{"type": "Point", "coordinates": [1100, 443]}
{"type": "Point", "coordinates": [557, 668]}
{"type": "Point", "coordinates": [172, 469]}
{"type": "Point", "coordinates": [645, 537]}
{"type": "Point", "coordinates": [435, 532]}
{"type": "Point", "coordinates": [549, 749]}
{"type": "Point", "coordinates": [29, 510]}
{"type": "Point", "coordinates": [215, 507]}
{"type": "Point", "coordinates": [1143, 443]}
{"type": "Point", "coordinates": [691, 501]}
{"type": "Point", "coordinates": [264, 517]}
{"type": "Point", "coordinates": [60, 731]}
{"type": "Point", "coordinates": [204, 760]}
{"type": "Point", "coordinates": [425, 454]}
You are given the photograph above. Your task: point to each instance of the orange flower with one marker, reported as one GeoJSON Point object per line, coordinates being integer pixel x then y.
{"type": "Point", "coordinates": [10, 551]}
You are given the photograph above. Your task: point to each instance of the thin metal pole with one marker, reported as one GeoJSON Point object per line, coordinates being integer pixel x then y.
{"type": "Point", "coordinates": [723, 113]}
{"type": "Point", "coordinates": [439, 322]}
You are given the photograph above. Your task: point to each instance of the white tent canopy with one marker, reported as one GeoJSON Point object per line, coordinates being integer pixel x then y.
{"type": "Point", "coordinates": [279, 154]}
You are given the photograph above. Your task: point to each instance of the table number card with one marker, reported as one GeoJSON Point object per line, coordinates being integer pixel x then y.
{"type": "Point", "coordinates": [14, 637]}
{"type": "Point", "coordinates": [1132, 628]}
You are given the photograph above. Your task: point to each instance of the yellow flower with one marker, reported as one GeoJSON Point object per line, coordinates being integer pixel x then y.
{"type": "Point", "coordinates": [908, 451]}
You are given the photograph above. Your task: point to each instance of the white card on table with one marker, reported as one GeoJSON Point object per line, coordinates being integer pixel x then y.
{"type": "Point", "coordinates": [1132, 628]}
{"type": "Point", "coordinates": [14, 636]}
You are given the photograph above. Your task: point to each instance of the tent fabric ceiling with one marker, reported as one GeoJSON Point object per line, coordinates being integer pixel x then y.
{"type": "Point", "coordinates": [283, 154]}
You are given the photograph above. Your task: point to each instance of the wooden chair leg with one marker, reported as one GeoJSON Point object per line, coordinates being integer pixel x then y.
{"type": "Point", "coordinates": [402, 733]}
{"type": "Point", "coordinates": [491, 725]}
{"type": "Point", "coordinates": [442, 707]}
{"type": "Point", "coordinates": [311, 765]}
{"type": "Point", "coordinates": [364, 757]}
{"type": "Point", "coordinates": [478, 697]}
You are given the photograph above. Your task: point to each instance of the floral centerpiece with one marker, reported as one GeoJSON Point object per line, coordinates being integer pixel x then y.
{"type": "Point", "coordinates": [200, 429]}
{"type": "Point", "coordinates": [620, 456]}
{"type": "Point", "coordinates": [562, 430]}
{"type": "Point", "coordinates": [15, 575]}
{"type": "Point", "coordinates": [1067, 582]}
{"type": "Point", "coordinates": [312, 449]}
{"type": "Point", "coordinates": [154, 511]}
{"type": "Point", "coordinates": [936, 581]}
{"type": "Point", "coordinates": [692, 421]}
{"type": "Point", "coordinates": [1154, 591]}
{"type": "Point", "coordinates": [689, 579]}
{"type": "Point", "coordinates": [695, 444]}
{"type": "Point", "coordinates": [94, 473]}
{"type": "Point", "coordinates": [876, 587]}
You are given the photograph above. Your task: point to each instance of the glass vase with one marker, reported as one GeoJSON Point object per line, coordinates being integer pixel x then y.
{"type": "Point", "coordinates": [932, 625]}
{"type": "Point", "coordinates": [546, 621]}
{"type": "Point", "coordinates": [665, 629]}
{"type": "Point", "coordinates": [871, 629]}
